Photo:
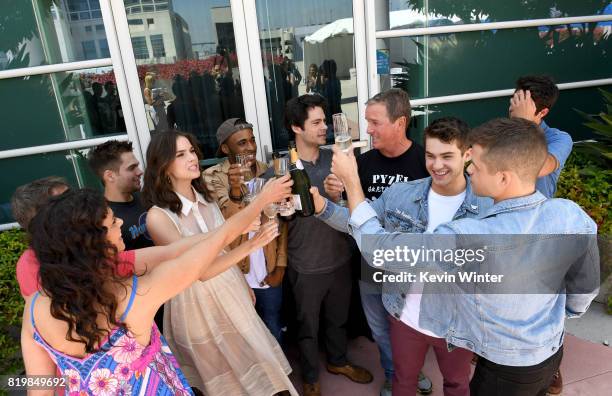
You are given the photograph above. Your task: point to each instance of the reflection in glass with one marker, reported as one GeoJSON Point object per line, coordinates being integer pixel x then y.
{"type": "Point", "coordinates": [59, 107]}
{"type": "Point", "coordinates": [38, 32]}
{"type": "Point", "coordinates": [448, 64]}
{"type": "Point", "coordinates": [411, 13]}
{"type": "Point", "coordinates": [475, 112]}
{"type": "Point", "coordinates": [187, 65]}
{"type": "Point", "coordinates": [72, 165]}
{"type": "Point", "coordinates": [308, 48]}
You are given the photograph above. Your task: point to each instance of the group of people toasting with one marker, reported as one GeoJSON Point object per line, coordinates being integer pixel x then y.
{"type": "Point", "coordinates": [203, 257]}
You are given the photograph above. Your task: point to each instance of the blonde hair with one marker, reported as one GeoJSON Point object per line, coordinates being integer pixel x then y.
{"type": "Point", "coordinates": [148, 81]}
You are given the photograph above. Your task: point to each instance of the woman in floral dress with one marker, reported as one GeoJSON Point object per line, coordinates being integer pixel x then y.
{"type": "Point", "coordinates": [96, 325]}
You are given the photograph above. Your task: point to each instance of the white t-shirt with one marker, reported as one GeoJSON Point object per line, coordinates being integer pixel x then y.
{"type": "Point", "coordinates": [257, 268]}
{"type": "Point", "coordinates": [440, 209]}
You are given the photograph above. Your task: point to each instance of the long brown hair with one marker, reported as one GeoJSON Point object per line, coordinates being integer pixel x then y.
{"type": "Point", "coordinates": [157, 186]}
{"type": "Point", "coordinates": [78, 265]}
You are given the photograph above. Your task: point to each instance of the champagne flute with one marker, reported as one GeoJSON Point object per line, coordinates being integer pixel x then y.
{"type": "Point", "coordinates": [342, 137]}
{"type": "Point", "coordinates": [254, 187]}
{"type": "Point", "coordinates": [244, 160]}
{"type": "Point", "coordinates": [281, 168]}
{"type": "Point", "coordinates": [343, 141]}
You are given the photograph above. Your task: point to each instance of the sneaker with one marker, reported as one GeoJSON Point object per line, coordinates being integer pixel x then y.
{"type": "Point", "coordinates": [387, 388]}
{"type": "Point", "coordinates": [556, 386]}
{"type": "Point", "coordinates": [424, 385]}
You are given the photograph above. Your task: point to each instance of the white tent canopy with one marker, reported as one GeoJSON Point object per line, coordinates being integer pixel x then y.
{"type": "Point", "coordinates": [399, 18]}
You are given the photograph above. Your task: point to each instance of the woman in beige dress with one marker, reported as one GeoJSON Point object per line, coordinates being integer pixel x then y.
{"type": "Point", "coordinates": [213, 329]}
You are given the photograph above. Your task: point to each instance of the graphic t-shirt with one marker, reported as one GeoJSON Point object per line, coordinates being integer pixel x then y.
{"type": "Point", "coordinates": [134, 228]}
{"type": "Point", "coordinates": [378, 172]}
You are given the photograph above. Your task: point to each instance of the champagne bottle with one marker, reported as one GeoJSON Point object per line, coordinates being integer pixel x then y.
{"type": "Point", "coordinates": [302, 199]}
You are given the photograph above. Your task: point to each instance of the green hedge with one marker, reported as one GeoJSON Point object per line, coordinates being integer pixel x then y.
{"type": "Point", "coordinates": [589, 186]}
{"type": "Point", "coordinates": [12, 244]}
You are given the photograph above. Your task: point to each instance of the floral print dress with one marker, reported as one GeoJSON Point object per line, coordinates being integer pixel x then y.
{"type": "Point", "coordinates": [122, 366]}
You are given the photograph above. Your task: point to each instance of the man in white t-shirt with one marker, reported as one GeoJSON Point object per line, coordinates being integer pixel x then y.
{"type": "Point", "coordinates": [445, 157]}
{"type": "Point", "coordinates": [426, 203]}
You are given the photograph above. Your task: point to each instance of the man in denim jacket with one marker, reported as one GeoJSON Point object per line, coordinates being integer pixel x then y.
{"type": "Point", "coordinates": [518, 337]}
{"type": "Point", "coordinates": [418, 206]}
{"type": "Point", "coordinates": [533, 100]}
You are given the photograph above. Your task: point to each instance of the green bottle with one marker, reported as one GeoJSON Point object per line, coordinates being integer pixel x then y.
{"type": "Point", "coordinates": [302, 199]}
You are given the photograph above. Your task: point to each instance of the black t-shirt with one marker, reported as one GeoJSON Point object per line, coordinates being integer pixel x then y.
{"type": "Point", "coordinates": [134, 228]}
{"type": "Point", "coordinates": [378, 172]}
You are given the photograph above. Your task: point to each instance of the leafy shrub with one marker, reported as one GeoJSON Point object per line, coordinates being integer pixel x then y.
{"type": "Point", "coordinates": [12, 244]}
{"type": "Point", "coordinates": [583, 182]}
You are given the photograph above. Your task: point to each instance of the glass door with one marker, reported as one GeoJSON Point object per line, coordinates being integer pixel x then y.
{"type": "Point", "coordinates": [308, 46]}
{"type": "Point", "coordinates": [187, 66]}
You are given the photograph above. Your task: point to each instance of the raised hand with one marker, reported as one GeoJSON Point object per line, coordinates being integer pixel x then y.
{"type": "Point", "coordinates": [275, 190]}
{"type": "Point", "coordinates": [344, 165]}
{"type": "Point", "coordinates": [522, 106]}
{"type": "Point", "coordinates": [333, 187]}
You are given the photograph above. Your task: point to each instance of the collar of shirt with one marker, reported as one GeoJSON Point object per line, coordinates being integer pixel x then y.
{"type": "Point", "coordinates": [188, 204]}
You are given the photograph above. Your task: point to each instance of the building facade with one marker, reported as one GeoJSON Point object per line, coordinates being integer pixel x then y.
{"type": "Point", "coordinates": [72, 72]}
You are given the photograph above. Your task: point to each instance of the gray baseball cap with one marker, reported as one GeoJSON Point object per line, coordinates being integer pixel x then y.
{"type": "Point", "coordinates": [227, 129]}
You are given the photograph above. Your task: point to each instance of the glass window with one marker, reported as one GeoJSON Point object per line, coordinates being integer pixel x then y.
{"type": "Point", "coordinates": [72, 165]}
{"type": "Point", "coordinates": [308, 48]}
{"type": "Point", "coordinates": [140, 47]}
{"type": "Point", "coordinates": [87, 100]}
{"type": "Point", "coordinates": [563, 115]}
{"type": "Point", "coordinates": [190, 79]}
{"type": "Point", "coordinates": [405, 14]}
{"type": "Point", "coordinates": [135, 22]}
{"type": "Point", "coordinates": [448, 64]}
{"type": "Point", "coordinates": [96, 14]}
{"type": "Point", "coordinates": [157, 43]}
{"type": "Point", "coordinates": [89, 49]}
{"type": "Point", "coordinates": [148, 8]}
{"type": "Point", "coordinates": [41, 32]}
{"type": "Point", "coordinates": [104, 51]}
{"type": "Point", "coordinates": [78, 5]}
{"type": "Point", "coordinates": [99, 28]}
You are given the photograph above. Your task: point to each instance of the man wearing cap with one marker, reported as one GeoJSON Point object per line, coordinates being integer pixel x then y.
{"type": "Point", "coordinates": [264, 268]}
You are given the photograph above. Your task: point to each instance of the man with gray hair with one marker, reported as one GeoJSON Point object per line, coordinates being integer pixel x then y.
{"type": "Point", "coordinates": [25, 203]}
{"type": "Point", "coordinates": [394, 158]}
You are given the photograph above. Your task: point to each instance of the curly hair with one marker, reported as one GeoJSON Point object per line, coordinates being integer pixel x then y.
{"type": "Point", "coordinates": [78, 265]}
{"type": "Point", "coordinates": [157, 188]}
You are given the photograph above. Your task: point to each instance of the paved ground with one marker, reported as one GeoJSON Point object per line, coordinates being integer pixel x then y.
{"type": "Point", "coordinates": [586, 366]}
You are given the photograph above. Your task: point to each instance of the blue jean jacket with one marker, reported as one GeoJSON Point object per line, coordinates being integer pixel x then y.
{"type": "Point", "coordinates": [508, 329]}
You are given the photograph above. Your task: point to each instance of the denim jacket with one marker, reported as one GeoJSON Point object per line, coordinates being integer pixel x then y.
{"type": "Point", "coordinates": [508, 329]}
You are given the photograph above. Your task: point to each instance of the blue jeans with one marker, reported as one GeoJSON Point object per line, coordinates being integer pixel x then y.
{"type": "Point", "coordinates": [377, 318]}
{"type": "Point", "coordinates": [268, 306]}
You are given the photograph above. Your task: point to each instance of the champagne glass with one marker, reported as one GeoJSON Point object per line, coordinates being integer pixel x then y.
{"type": "Point", "coordinates": [342, 137]}
{"type": "Point", "coordinates": [343, 141]}
{"type": "Point", "coordinates": [281, 168]}
{"type": "Point", "coordinates": [244, 160]}
{"type": "Point", "coordinates": [254, 187]}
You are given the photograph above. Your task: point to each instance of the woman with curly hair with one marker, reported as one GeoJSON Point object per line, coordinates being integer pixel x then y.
{"type": "Point", "coordinates": [95, 323]}
{"type": "Point", "coordinates": [221, 343]}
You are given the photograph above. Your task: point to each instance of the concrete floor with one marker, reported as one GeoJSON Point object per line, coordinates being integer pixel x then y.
{"type": "Point", "coordinates": [586, 365]}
